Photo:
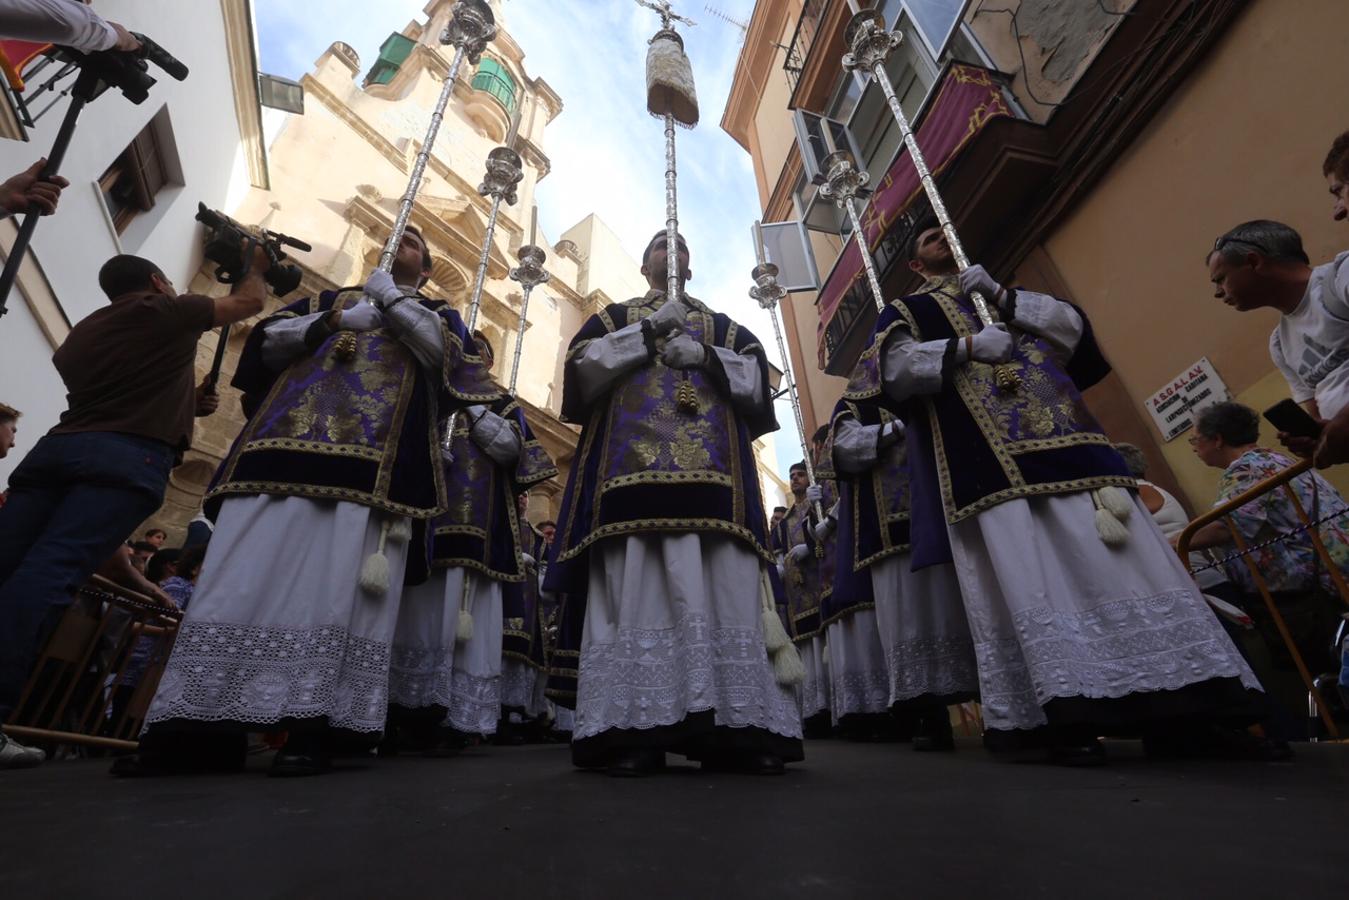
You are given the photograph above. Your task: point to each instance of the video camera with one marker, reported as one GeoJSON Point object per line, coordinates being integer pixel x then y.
{"type": "Point", "coordinates": [225, 245]}
{"type": "Point", "coordinates": [128, 70]}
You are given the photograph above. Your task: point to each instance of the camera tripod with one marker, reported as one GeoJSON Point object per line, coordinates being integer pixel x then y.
{"type": "Point", "coordinates": [98, 71]}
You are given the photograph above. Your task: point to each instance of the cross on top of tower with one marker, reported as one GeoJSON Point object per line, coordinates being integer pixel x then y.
{"type": "Point", "coordinates": [667, 15]}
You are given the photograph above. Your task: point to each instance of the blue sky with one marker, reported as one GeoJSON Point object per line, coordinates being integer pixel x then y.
{"type": "Point", "coordinates": [607, 153]}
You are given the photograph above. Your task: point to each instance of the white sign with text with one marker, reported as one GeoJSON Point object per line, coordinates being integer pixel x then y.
{"type": "Point", "coordinates": [1175, 406]}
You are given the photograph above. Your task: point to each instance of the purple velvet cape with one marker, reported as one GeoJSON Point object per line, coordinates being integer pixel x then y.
{"type": "Point", "coordinates": [644, 467]}
{"type": "Point", "coordinates": [808, 583]}
{"type": "Point", "coordinates": [874, 516]}
{"type": "Point", "coordinates": [522, 629]}
{"type": "Point", "coordinates": [363, 431]}
{"type": "Point", "coordinates": [971, 446]}
{"type": "Point", "coordinates": [479, 529]}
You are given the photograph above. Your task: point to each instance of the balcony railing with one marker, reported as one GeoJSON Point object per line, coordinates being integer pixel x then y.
{"type": "Point", "coordinates": [803, 39]}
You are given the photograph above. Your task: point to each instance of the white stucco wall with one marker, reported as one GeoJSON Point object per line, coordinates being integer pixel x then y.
{"type": "Point", "coordinates": [73, 244]}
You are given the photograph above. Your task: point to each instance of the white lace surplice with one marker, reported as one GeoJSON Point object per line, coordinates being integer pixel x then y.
{"type": "Point", "coordinates": [813, 693]}
{"type": "Point", "coordinates": [430, 669]}
{"type": "Point", "coordinates": [923, 630]}
{"type": "Point", "coordinates": [522, 687]}
{"type": "Point", "coordinates": [672, 627]}
{"type": "Point", "coordinates": [475, 704]}
{"type": "Point", "coordinates": [279, 626]}
{"type": "Point", "coordinates": [1054, 612]}
{"type": "Point", "coordinates": [859, 681]}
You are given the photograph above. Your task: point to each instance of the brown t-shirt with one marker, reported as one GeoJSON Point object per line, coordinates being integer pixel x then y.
{"type": "Point", "coordinates": [129, 367]}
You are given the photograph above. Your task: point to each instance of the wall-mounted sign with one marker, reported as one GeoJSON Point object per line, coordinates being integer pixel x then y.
{"type": "Point", "coordinates": [1175, 406]}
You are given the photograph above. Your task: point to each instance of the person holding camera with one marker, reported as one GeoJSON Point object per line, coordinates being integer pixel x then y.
{"type": "Point", "coordinates": [293, 619]}
{"type": "Point", "coordinates": [104, 468]}
{"type": "Point", "coordinates": [67, 23]}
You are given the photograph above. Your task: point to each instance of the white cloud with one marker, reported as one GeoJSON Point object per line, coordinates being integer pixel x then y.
{"type": "Point", "coordinates": [607, 153]}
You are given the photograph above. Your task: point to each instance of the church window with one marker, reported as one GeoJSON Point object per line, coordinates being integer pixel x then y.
{"type": "Point", "coordinates": [392, 54]}
{"type": "Point", "coordinates": [495, 79]}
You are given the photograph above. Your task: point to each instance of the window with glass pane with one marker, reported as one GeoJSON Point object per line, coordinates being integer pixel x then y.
{"type": "Point", "coordinates": [130, 184]}
{"type": "Point", "coordinates": [935, 19]}
{"type": "Point", "coordinates": [496, 80]}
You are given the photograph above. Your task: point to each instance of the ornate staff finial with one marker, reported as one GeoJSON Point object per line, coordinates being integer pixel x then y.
{"type": "Point", "coordinates": [471, 27]}
{"type": "Point", "coordinates": [530, 274]}
{"type": "Point", "coordinates": [869, 46]}
{"type": "Point", "coordinates": [667, 15]}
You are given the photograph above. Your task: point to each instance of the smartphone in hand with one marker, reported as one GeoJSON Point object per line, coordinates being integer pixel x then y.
{"type": "Point", "coordinates": [1292, 419]}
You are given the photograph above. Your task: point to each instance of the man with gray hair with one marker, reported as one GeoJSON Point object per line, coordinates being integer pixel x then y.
{"type": "Point", "coordinates": [1262, 264]}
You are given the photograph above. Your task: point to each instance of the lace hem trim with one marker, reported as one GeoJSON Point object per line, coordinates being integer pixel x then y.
{"type": "Point", "coordinates": [522, 688]}
{"type": "Point", "coordinates": [475, 703]}
{"type": "Point", "coordinates": [1122, 647]}
{"type": "Point", "coordinates": [648, 678]}
{"type": "Point", "coordinates": [935, 667]}
{"type": "Point", "coordinates": [244, 673]}
{"type": "Point", "coordinates": [860, 692]}
{"type": "Point", "coordinates": [420, 676]}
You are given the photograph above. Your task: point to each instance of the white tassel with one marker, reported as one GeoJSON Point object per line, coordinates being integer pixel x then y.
{"type": "Point", "coordinates": [463, 630]}
{"type": "Point", "coordinates": [375, 570]}
{"type": "Point", "coordinates": [1116, 502]}
{"type": "Point", "coordinates": [401, 530]}
{"type": "Point", "coordinates": [787, 666]}
{"type": "Point", "coordinates": [774, 634]}
{"type": "Point", "coordinates": [1111, 530]}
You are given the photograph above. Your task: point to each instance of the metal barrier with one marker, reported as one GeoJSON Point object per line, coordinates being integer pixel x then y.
{"type": "Point", "coordinates": [1222, 512]}
{"type": "Point", "coordinates": [75, 695]}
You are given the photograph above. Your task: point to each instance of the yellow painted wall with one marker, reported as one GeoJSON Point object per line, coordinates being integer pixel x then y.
{"type": "Point", "coordinates": [1243, 138]}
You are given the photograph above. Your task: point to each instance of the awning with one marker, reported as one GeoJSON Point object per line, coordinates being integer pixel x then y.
{"type": "Point", "coordinates": [968, 99]}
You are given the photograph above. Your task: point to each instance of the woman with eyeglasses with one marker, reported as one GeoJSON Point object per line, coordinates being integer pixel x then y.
{"type": "Point", "coordinates": [1225, 437]}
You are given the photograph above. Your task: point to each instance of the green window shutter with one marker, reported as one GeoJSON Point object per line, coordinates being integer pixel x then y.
{"type": "Point", "coordinates": [495, 79]}
{"type": "Point", "coordinates": [392, 54]}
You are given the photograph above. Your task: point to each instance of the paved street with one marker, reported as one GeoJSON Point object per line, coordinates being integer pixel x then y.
{"type": "Point", "coordinates": [853, 821]}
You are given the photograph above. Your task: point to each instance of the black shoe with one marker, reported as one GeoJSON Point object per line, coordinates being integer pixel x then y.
{"type": "Point", "coordinates": [222, 758]}
{"type": "Point", "coordinates": [762, 764]}
{"type": "Point", "coordinates": [138, 766]}
{"type": "Point", "coordinates": [1078, 755]}
{"type": "Point", "coordinates": [933, 734]}
{"type": "Point", "coordinates": [449, 743]}
{"type": "Point", "coordinates": [1215, 742]}
{"type": "Point", "coordinates": [636, 763]}
{"type": "Point", "coordinates": [508, 734]}
{"type": "Point", "coordinates": [303, 755]}
{"type": "Point", "coordinates": [744, 763]}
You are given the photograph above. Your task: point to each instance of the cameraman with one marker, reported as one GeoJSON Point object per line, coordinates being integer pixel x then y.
{"type": "Point", "coordinates": [86, 485]}
{"type": "Point", "coordinates": [68, 23]}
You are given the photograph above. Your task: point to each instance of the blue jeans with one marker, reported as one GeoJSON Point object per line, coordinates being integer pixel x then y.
{"type": "Point", "coordinates": [72, 501]}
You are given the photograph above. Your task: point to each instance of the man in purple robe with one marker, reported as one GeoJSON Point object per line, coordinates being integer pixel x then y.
{"type": "Point", "coordinates": [661, 553]}
{"type": "Point", "coordinates": [293, 618]}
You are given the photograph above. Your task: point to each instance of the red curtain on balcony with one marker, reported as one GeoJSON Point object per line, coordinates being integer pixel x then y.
{"type": "Point", "coordinates": [966, 101]}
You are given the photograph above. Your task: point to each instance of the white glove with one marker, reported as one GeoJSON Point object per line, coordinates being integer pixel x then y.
{"type": "Point", "coordinates": [529, 560]}
{"type": "Point", "coordinates": [976, 278]}
{"type": "Point", "coordinates": [782, 571]}
{"type": "Point", "coordinates": [381, 290]}
{"type": "Point", "coordinates": [814, 493]}
{"type": "Point", "coordinates": [666, 319]}
{"type": "Point", "coordinates": [891, 432]}
{"type": "Point", "coordinates": [993, 345]}
{"type": "Point", "coordinates": [683, 352]}
{"type": "Point", "coordinates": [361, 317]}
{"type": "Point", "coordinates": [825, 528]}
{"type": "Point", "coordinates": [799, 552]}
